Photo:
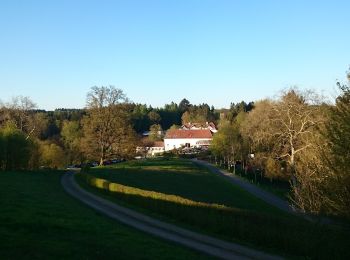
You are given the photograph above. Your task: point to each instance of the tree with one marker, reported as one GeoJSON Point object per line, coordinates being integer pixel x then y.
{"type": "Point", "coordinates": [174, 127]}
{"type": "Point", "coordinates": [154, 117]}
{"type": "Point", "coordinates": [285, 127]}
{"type": "Point", "coordinates": [15, 148]}
{"type": "Point", "coordinates": [71, 135]}
{"type": "Point", "coordinates": [52, 155]}
{"type": "Point", "coordinates": [186, 118]}
{"type": "Point", "coordinates": [155, 132]}
{"type": "Point", "coordinates": [184, 105]}
{"type": "Point", "coordinates": [107, 126]}
{"type": "Point", "coordinates": [140, 119]}
{"type": "Point", "coordinates": [20, 112]}
{"type": "Point", "coordinates": [198, 114]}
{"type": "Point", "coordinates": [228, 144]}
{"type": "Point", "coordinates": [335, 175]}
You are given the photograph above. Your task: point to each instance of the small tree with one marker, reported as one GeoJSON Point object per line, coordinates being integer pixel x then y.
{"type": "Point", "coordinates": [52, 155]}
{"type": "Point", "coordinates": [155, 132]}
{"type": "Point", "coordinates": [71, 135]}
{"type": "Point", "coordinates": [154, 117]}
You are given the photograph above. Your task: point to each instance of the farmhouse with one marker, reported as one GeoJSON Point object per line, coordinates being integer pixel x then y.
{"type": "Point", "coordinates": [177, 138]}
{"type": "Point", "coordinates": [150, 148]}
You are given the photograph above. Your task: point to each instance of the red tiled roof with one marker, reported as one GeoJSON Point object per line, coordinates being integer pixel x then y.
{"type": "Point", "coordinates": [158, 144]}
{"type": "Point", "coordinates": [185, 134]}
{"type": "Point", "coordinates": [199, 125]}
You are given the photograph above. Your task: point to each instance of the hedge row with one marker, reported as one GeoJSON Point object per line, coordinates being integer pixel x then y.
{"type": "Point", "coordinates": [116, 187]}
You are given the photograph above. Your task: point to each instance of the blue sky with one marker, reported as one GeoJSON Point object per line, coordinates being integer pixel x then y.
{"type": "Point", "coordinates": [160, 51]}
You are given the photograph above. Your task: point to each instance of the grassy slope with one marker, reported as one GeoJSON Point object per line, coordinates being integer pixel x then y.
{"type": "Point", "coordinates": [265, 227]}
{"type": "Point", "coordinates": [40, 221]}
{"type": "Point", "coordinates": [183, 178]}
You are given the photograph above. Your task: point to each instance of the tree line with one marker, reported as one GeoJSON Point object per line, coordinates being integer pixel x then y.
{"type": "Point", "coordinates": [110, 126]}
{"type": "Point", "coordinates": [297, 137]}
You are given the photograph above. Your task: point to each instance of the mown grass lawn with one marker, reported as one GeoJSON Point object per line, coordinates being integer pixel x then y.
{"type": "Point", "coordinates": [38, 220]}
{"type": "Point", "coordinates": [183, 178]}
{"type": "Point", "coordinates": [248, 220]}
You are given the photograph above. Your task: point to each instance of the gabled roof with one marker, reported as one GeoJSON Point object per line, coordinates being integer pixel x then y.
{"type": "Point", "coordinates": [188, 134]}
{"type": "Point", "coordinates": [196, 126]}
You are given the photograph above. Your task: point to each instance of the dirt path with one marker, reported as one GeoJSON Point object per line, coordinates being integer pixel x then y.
{"type": "Point", "coordinates": [202, 243]}
{"type": "Point", "coordinates": [253, 189]}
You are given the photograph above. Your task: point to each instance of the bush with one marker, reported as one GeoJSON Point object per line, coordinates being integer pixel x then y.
{"type": "Point", "coordinates": [15, 149]}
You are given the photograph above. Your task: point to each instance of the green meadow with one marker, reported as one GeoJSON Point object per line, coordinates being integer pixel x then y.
{"type": "Point", "coordinates": [40, 221]}
{"type": "Point", "coordinates": [184, 193]}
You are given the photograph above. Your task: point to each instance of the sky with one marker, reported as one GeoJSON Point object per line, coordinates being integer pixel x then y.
{"type": "Point", "coordinates": [158, 51]}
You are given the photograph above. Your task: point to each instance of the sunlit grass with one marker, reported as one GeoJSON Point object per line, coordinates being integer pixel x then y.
{"type": "Point", "coordinates": [189, 195]}
{"type": "Point", "coordinates": [119, 188]}
{"type": "Point", "coordinates": [185, 179]}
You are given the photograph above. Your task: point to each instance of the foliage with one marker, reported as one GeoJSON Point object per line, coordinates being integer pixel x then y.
{"type": "Point", "coordinates": [107, 127]}
{"type": "Point", "coordinates": [154, 117]}
{"type": "Point", "coordinates": [14, 148]}
{"type": "Point", "coordinates": [71, 136]}
{"type": "Point", "coordinates": [335, 181]}
{"type": "Point", "coordinates": [198, 114]}
{"type": "Point", "coordinates": [229, 144]}
{"type": "Point", "coordinates": [285, 127]}
{"type": "Point", "coordinates": [155, 132]}
{"type": "Point", "coordinates": [52, 155]}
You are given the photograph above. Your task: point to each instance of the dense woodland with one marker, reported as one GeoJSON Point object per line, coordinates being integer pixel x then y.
{"type": "Point", "coordinates": [297, 137]}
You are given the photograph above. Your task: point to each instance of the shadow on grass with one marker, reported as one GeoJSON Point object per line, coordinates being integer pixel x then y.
{"type": "Point", "coordinates": [281, 235]}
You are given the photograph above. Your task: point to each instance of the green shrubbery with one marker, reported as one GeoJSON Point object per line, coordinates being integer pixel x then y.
{"type": "Point", "coordinates": [15, 149]}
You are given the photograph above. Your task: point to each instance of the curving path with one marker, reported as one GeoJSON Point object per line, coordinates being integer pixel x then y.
{"type": "Point", "coordinates": [253, 189]}
{"type": "Point", "coordinates": [202, 243]}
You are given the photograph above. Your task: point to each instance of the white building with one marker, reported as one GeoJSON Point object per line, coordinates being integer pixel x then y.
{"type": "Point", "coordinates": [177, 138]}
{"type": "Point", "coordinates": [151, 149]}
{"type": "Point", "coordinates": [156, 149]}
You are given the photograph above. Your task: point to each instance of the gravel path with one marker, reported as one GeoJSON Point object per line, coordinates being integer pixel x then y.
{"type": "Point", "coordinates": [251, 188]}
{"type": "Point", "coordinates": [202, 243]}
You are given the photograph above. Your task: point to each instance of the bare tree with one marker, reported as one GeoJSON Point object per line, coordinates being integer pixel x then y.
{"type": "Point", "coordinates": [20, 112]}
{"type": "Point", "coordinates": [294, 120]}
{"type": "Point", "coordinates": [102, 97]}
{"type": "Point", "coordinates": [286, 130]}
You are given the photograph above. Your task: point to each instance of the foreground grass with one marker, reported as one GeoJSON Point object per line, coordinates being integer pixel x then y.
{"type": "Point", "coordinates": [40, 221]}
{"type": "Point", "coordinates": [151, 185]}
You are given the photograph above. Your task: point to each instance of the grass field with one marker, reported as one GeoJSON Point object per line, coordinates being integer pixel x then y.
{"type": "Point", "coordinates": [148, 186]}
{"type": "Point", "coordinates": [40, 221]}
{"type": "Point", "coordinates": [182, 178]}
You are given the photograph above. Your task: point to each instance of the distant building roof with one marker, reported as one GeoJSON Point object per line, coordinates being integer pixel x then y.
{"type": "Point", "coordinates": [186, 134]}
{"type": "Point", "coordinates": [196, 126]}
{"type": "Point", "coordinates": [158, 144]}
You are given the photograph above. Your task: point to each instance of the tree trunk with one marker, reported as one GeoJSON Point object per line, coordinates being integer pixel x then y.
{"type": "Point", "coordinates": [102, 155]}
{"type": "Point", "coordinates": [292, 167]}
